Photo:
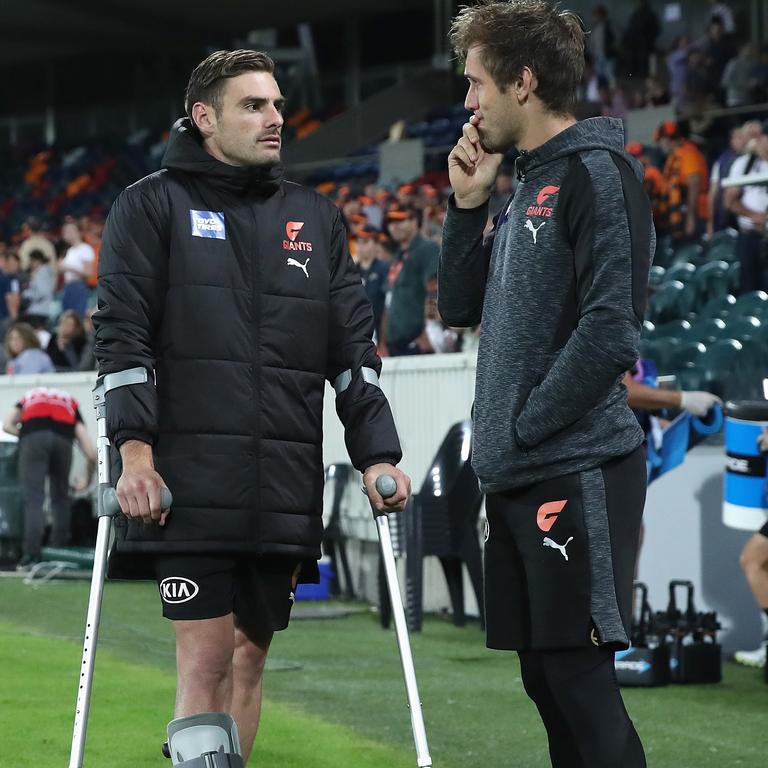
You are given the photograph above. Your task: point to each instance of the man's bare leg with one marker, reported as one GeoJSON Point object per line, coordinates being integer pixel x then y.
{"type": "Point", "coordinates": [250, 656]}
{"type": "Point", "coordinates": [204, 650]}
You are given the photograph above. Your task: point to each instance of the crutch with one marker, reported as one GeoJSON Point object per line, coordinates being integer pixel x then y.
{"type": "Point", "coordinates": [387, 486]}
{"type": "Point", "coordinates": [108, 506]}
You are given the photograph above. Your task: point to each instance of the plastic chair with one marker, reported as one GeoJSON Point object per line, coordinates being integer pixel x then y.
{"type": "Point", "coordinates": [659, 351]}
{"type": "Point", "coordinates": [743, 328]}
{"type": "Point", "coordinates": [754, 303]}
{"type": "Point", "coordinates": [711, 280]}
{"type": "Point", "coordinates": [679, 329]}
{"type": "Point", "coordinates": [693, 253]}
{"type": "Point", "coordinates": [683, 271]}
{"type": "Point", "coordinates": [724, 236]}
{"type": "Point", "coordinates": [722, 306]}
{"type": "Point", "coordinates": [708, 330]}
{"type": "Point", "coordinates": [448, 507]}
{"type": "Point", "coordinates": [719, 364]}
{"type": "Point", "coordinates": [656, 276]}
{"type": "Point", "coordinates": [687, 355]}
{"type": "Point", "coordinates": [665, 303]}
{"type": "Point", "coordinates": [724, 251]}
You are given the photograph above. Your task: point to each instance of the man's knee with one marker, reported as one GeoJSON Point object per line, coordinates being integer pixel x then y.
{"type": "Point", "coordinates": [250, 655]}
{"type": "Point", "coordinates": [204, 648]}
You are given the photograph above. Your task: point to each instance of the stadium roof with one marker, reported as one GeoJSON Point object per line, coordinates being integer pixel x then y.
{"type": "Point", "coordinates": [34, 30]}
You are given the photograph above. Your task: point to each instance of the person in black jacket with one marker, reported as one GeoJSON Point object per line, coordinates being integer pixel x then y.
{"type": "Point", "coordinates": [560, 286]}
{"type": "Point", "coordinates": [235, 289]}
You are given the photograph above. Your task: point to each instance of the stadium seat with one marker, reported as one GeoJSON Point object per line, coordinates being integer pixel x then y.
{"type": "Point", "coordinates": [753, 303]}
{"type": "Point", "coordinates": [681, 270]}
{"type": "Point", "coordinates": [743, 328]}
{"type": "Point", "coordinates": [708, 330]}
{"type": "Point", "coordinates": [734, 277]}
{"type": "Point", "coordinates": [721, 306]}
{"type": "Point", "coordinates": [693, 253]}
{"type": "Point", "coordinates": [719, 364]}
{"type": "Point", "coordinates": [663, 257]}
{"type": "Point", "coordinates": [724, 251]}
{"type": "Point", "coordinates": [727, 236]}
{"type": "Point", "coordinates": [711, 280]}
{"type": "Point", "coordinates": [692, 378]}
{"type": "Point", "coordinates": [679, 329]}
{"type": "Point", "coordinates": [685, 355]}
{"type": "Point", "coordinates": [667, 302]}
{"type": "Point", "coordinates": [659, 350]}
{"type": "Point", "coordinates": [648, 330]}
{"type": "Point", "coordinates": [656, 276]}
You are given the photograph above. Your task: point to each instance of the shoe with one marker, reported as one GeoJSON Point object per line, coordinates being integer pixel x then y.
{"type": "Point", "coordinates": [754, 658]}
{"type": "Point", "coordinates": [166, 750]}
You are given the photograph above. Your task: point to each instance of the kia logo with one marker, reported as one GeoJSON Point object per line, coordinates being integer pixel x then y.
{"type": "Point", "coordinates": [176, 589]}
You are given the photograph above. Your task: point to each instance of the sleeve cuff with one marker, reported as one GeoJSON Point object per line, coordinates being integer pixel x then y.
{"type": "Point", "coordinates": [123, 435]}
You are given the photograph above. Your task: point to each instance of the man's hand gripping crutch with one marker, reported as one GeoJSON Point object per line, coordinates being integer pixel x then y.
{"type": "Point", "coordinates": [108, 507]}
{"type": "Point", "coordinates": [387, 495]}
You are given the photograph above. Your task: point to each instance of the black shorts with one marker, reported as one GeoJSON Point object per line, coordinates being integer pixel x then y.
{"type": "Point", "coordinates": [257, 590]}
{"type": "Point", "coordinates": [560, 558]}
{"type": "Point", "coordinates": [764, 531]}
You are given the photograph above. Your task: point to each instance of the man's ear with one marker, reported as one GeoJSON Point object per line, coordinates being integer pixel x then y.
{"type": "Point", "coordinates": [525, 85]}
{"type": "Point", "coordinates": [204, 117]}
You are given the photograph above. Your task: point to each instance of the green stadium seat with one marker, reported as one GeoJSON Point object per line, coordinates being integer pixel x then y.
{"type": "Point", "coordinates": [693, 253]}
{"type": "Point", "coordinates": [734, 277]}
{"type": "Point", "coordinates": [683, 271]}
{"type": "Point", "coordinates": [693, 378]}
{"type": "Point", "coordinates": [679, 329]}
{"type": "Point", "coordinates": [711, 280]}
{"type": "Point", "coordinates": [719, 364]}
{"type": "Point", "coordinates": [666, 302]}
{"type": "Point", "coordinates": [743, 328]}
{"type": "Point", "coordinates": [707, 330]}
{"type": "Point", "coordinates": [753, 303]}
{"type": "Point", "coordinates": [664, 256]}
{"type": "Point", "coordinates": [656, 276]}
{"type": "Point", "coordinates": [721, 306]}
{"type": "Point", "coordinates": [685, 355]}
{"type": "Point", "coordinates": [723, 236]}
{"type": "Point", "coordinates": [659, 350]}
{"type": "Point", "coordinates": [725, 251]}
{"type": "Point", "coordinates": [648, 330]}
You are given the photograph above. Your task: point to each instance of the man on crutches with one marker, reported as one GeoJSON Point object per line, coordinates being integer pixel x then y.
{"type": "Point", "coordinates": [236, 292]}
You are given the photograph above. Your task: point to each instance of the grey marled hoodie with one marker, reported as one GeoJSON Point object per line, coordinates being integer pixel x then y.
{"type": "Point", "coordinates": [561, 287]}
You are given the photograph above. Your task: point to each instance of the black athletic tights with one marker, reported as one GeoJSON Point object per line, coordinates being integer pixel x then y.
{"type": "Point", "coordinates": [578, 698]}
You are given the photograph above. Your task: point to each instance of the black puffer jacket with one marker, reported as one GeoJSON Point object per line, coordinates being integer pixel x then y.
{"type": "Point", "coordinates": [238, 290]}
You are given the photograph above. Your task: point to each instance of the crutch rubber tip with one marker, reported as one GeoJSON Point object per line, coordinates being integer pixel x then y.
{"type": "Point", "coordinates": [386, 486]}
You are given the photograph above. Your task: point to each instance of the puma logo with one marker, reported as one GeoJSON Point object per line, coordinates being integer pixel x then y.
{"type": "Point", "coordinates": [302, 267]}
{"type": "Point", "coordinates": [549, 543]}
{"type": "Point", "coordinates": [533, 229]}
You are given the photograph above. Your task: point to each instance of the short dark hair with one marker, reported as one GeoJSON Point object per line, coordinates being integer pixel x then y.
{"type": "Point", "coordinates": [207, 79]}
{"type": "Point", "coordinates": [525, 33]}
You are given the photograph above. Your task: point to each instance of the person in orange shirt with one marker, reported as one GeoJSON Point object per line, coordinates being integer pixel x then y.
{"type": "Point", "coordinates": [653, 181]}
{"type": "Point", "coordinates": [687, 182]}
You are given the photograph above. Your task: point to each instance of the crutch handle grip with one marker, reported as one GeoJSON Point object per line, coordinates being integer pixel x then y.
{"type": "Point", "coordinates": [386, 485]}
{"type": "Point", "coordinates": [112, 505]}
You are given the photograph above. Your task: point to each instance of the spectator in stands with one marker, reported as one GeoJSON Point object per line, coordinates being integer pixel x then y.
{"type": "Point", "coordinates": [76, 268]}
{"type": "Point", "coordinates": [47, 421]}
{"type": "Point", "coordinates": [677, 66]}
{"type": "Point", "coordinates": [653, 179]}
{"type": "Point", "coordinates": [67, 344]}
{"type": "Point", "coordinates": [686, 180]}
{"type": "Point", "coordinates": [373, 271]}
{"type": "Point", "coordinates": [88, 357]}
{"type": "Point", "coordinates": [754, 563]}
{"type": "Point", "coordinates": [760, 77]}
{"type": "Point", "coordinates": [588, 87]}
{"type": "Point", "coordinates": [639, 40]}
{"type": "Point", "coordinates": [738, 77]}
{"type": "Point", "coordinates": [411, 277]}
{"type": "Point", "coordinates": [37, 297]}
{"type": "Point", "coordinates": [35, 239]}
{"type": "Point", "coordinates": [723, 12]}
{"type": "Point", "coordinates": [612, 102]}
{"type": "Point", "coordinates": [718, 215]}
{"type": "Point", "coordinates": [655, 93]}
{"type": "Point", "coordinates": [697, 89]}
{"type": "Point", "coordinates": [9, 292]}
{"type": "Point", "coordinates": [717, 49]}
{"type": "Point", "coordinates": [602, 43]}
{"type": "Point", "coordinates": [23, 353]}
{"type": "Point", "coordinates": [439, 337]}
{"type": "Point", "coordinates": [750, 205]}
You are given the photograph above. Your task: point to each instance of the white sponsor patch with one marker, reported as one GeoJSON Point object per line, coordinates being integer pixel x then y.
{"type": "Point", "coordinates": [177, 589]}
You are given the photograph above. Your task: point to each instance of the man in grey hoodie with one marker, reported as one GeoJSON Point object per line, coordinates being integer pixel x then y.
{"type": "Point", "coordinates": [559, 288]}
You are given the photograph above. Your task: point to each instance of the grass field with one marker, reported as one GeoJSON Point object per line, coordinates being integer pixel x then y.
{"type": "Point", "coordinates": [334, 694]}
